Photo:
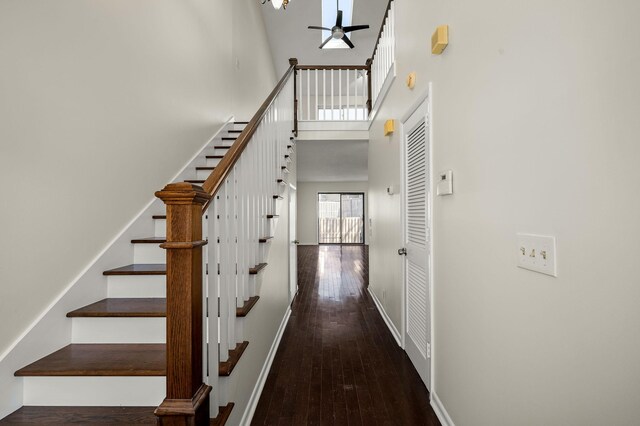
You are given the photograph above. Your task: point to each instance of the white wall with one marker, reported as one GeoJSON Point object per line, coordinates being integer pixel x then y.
{"type": "Point", "coordinates": [254, 74]}
{"type": "Point", "coordinates": [101, 104]}
{"type": "Point", "coordinates": [308, 206]}
{"type": "Point", "coordinates": [535, 111]}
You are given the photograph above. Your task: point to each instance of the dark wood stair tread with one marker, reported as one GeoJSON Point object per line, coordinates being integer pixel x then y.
{"type": "Point", "coordinates": [271, 216]}
{"type": "Point", "coordinates": [282, 181]}
{"type": "Point", "coordinates": [159, 216]}
{"type": "Point", "coordinates": [101, 360]}
{"type": "Point", "coordinates": [222, 147]}
{"type": "Point", "coordinates": [215, 157]}
{"type": "Point", "coordinates": [277, 197]}
{"type": "Point", "coordinates": [57, 415]}
{"type": "Point", "coordinates": [149, 240]}
{"type": "Point", "coordinates": [235, 131]}
{"type": "Point", "coordinates": [226, 367]}
{"type": "Point", "coordinates": [123, 308]}
{"type": "Point", "coordinates": [264, 239]}
{"type": "Point", "coordinates": [194, 180]}
{"type": "Point", "coordinates": [248, 305]}
{"type": "Point", "coordinates": [139, 269]}
{"type": "Point", "coordinates": [230, 138]}
{"type": "Point", "coordinates": [223, 415]}
{"type": "Point", "coordinates": [206, 167]}
{"type": "Point", "coordinates": [240, 122]}
{"type": "Point", "coordinates": [259, 267]}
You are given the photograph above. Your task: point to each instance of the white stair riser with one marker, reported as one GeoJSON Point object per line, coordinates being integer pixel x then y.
{"type": "Point", "coordinates": [238, 126]}
{"type": "Point", "coordinates": [136, 286]}
{"type": "Point", "coordinates": [221, 151]}
{"type": "Point", "coordinates": [149, 253]}
{"type": "Point", "coordinates": [160, 227]}
{"type": "Point", "coordinates": [94, 391]}
{"type": "Point", "coordinates": [118, 330]}
{"type": "Point", "coordinates": [203, 174]}
{"type": "Point", "coordinates": [213, 162]}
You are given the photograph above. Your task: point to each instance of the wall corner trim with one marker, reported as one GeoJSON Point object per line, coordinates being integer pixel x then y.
{"type": "Point", "coordinates": [392, 328]}
{"type": "Point", "coordinates": [440, 411]}
{"type": "Point", "coordinates": [262, 378]}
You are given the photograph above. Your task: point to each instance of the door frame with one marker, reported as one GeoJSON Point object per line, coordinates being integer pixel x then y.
{"type": "Point", "coordinates": [426, 96]}
{"type": "Point", "coordinates": [364, 217]}
{"type": "Point", "coordinates": [292, 206]}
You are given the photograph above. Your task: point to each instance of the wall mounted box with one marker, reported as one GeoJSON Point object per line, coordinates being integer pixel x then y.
{"type": "Point", "coordinates": [389, 127]}
{"type": "Point", "coordinates": [411, 80]}
{"type": "Point", "coordinates": [440, 39]}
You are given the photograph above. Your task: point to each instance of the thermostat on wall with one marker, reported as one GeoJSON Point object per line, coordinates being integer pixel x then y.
{"type": "Point", "coordinates": [444, 184]}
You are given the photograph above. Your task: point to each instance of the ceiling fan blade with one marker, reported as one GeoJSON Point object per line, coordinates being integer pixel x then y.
{"type": "Point", "coordinates": [325, 42]}
{"type": "Point", "coordinates": [346, 40]}
{"type": "Point", "coordinates": [355, 28]}
{"type": "Point", "coordinates": [314, 27]}
{"type": "Point", "coordinates": [339, 19]}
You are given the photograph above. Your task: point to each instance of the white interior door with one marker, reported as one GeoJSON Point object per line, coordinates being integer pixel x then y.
{"type": "Point", "coordinates": [417, 240]}
{"type": "Point", "coordinates": [293, 245]}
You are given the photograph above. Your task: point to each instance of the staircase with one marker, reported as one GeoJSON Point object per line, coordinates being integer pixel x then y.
{"type": "Point", "coordinates": [115, 369]}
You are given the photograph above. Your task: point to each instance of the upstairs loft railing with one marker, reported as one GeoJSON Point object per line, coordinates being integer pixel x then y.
{"type": "Point", "coordinates": [332, 93]}
{"type": "Point", "coordinates": [214, 255]}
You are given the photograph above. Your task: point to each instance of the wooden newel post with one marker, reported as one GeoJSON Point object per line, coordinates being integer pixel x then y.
{"type": "Point", "coordinates": [187, 400]}
{"type": "Point", "coordinates": [368, 65]}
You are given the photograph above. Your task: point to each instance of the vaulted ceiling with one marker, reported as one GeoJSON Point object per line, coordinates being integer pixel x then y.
{"type": "Point", "coordinates": [289, 36]}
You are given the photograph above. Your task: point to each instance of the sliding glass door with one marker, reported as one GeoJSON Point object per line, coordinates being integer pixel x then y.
{"type": "Point", "coordinates": [341, 218]}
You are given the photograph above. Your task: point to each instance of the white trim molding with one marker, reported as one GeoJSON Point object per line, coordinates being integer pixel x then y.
{"type": "Point", "coordinates": [440, 411]}
{"type": "Point", "coordinates": [262, 378]}
{"type": "Point", "coordinates": [392, 328]}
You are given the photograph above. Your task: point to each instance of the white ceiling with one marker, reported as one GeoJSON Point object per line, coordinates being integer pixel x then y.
{"type": "Point", "coordinates": [289, 36]}
{"type": "Point", "coordinates": [332, 161]}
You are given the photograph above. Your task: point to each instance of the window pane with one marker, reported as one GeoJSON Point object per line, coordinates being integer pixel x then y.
{"type": "Point", "coordinates": [352, 218]}
{"type": "Point", "coordinates": [329, 218]}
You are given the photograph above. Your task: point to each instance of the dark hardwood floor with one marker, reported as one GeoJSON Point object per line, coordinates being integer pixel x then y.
{"type": "Point", "coordinates": [337, 363]}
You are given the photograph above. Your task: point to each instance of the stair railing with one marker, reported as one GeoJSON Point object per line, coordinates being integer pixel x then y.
{"type": "Point", "coordinates": [382, 61]}
{"type": "Point", "coordinates": [209, 277]}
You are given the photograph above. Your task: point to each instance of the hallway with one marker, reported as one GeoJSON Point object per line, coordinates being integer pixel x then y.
{"type": "Point", "coordinates": [337, 363]}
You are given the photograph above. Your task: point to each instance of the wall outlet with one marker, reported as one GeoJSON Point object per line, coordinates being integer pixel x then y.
{"type": "Point", "coordinates": [537, 253]}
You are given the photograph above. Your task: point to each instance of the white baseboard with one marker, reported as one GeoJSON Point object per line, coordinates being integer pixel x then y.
{"type": "Point", "coordinates": [440, 411]}
{"type": "Point", "coordinates": [385, 317]}
{"type": "Point", "coordinates": [262, 378]}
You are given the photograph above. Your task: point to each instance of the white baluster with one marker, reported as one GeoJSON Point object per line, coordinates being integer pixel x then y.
{"type": "Point", "coordinates": [308, 95]}
{"type": "Point", "coordinates": [324, 92]}
{"type": "Point", "coordinates": [316, 95]}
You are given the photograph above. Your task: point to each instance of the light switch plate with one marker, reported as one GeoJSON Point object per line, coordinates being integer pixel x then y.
{"type": "Point", "coordinates": [537, 253]}
{"type": "Point", "coordinates": [444, 185]}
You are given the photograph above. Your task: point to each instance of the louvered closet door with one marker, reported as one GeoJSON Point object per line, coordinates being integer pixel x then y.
{"type": "Point", "coordinates": [417, 241]}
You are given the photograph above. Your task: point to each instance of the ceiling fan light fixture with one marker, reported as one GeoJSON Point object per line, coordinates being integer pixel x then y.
{"type": "Point", "coordinates": [337, 33]}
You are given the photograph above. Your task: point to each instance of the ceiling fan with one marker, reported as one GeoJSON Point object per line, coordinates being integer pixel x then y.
{"type": "Point", "coordinates": [338, 31]}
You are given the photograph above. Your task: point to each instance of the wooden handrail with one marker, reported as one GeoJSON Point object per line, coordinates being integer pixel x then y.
{"type": "Point", "coordinates": [222, 170]}
{"type": "Point", "coordinates": [384, 18]}
{"type": "Point", "coordinates": [331, 67]}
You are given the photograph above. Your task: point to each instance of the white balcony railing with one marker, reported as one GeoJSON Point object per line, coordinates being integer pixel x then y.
{"type": "Point", "coordinates": [332, 93]}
